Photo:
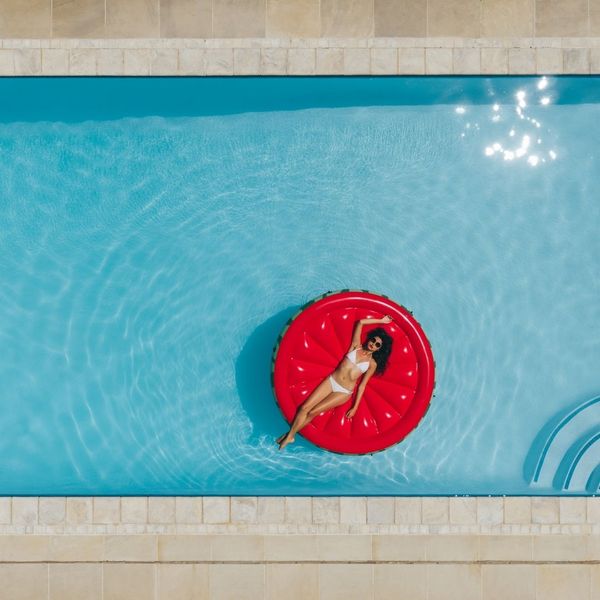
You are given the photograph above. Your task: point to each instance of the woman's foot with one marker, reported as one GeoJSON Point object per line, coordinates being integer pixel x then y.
{"type": "Point", "coordinates": [285, 441]}
{"type": "Point", "coordinates": [280, 438]}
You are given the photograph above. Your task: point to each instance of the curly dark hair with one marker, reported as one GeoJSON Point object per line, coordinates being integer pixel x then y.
{"type": "Point", "coordinates": [382, 355]}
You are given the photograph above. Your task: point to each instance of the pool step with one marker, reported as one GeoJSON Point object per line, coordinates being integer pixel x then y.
{"type": "Point", "coordinates": [565, 455]}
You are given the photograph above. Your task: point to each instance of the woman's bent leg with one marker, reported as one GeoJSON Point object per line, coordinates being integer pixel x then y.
{"type": "Point", "coordinates": [317, 395]}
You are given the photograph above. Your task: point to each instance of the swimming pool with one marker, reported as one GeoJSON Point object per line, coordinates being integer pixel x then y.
{"type": "Point", "coordinates": [156, 235]}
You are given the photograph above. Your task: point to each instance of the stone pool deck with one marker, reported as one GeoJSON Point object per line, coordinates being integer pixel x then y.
{"type": "Point", "coordinates": [300, 547]}
{"type": "Point", "coordinates": [309, 56]}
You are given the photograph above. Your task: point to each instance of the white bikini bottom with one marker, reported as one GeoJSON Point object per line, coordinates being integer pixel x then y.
{"type": "Point", "coordinates": [336, 387]}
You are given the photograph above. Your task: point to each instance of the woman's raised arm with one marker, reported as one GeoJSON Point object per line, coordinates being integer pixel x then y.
{"type": "Point", "coordinates": [358, 328]}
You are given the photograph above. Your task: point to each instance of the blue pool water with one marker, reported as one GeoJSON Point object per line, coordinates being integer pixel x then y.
{"type": "Point", "coordinates": [155, 235]}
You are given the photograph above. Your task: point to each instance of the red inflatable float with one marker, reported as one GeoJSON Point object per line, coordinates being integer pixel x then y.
{"type": "Point", "coordinates": [315, 341]}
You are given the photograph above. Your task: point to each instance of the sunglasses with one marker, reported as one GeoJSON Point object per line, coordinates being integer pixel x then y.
{"type": "Point", "coordinates": [375, 342]}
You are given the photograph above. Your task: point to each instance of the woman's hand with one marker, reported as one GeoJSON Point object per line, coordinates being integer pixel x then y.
{"type": "Point", "coordinates": [386, 319]}
{"type": "Point", "coordinates": [351, 413]}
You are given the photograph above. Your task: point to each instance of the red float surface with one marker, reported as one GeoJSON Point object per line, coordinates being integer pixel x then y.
{"type": "Point", "coordinates": [316, 341]}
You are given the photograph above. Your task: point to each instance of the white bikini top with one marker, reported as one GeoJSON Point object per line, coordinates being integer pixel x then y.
{"type": "Point", "coordinates": [363, 366]}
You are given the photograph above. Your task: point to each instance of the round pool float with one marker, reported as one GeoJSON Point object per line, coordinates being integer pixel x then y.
{"type": "Point", "coordinates": [312, 345]}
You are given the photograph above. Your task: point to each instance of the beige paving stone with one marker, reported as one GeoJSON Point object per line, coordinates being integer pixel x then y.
{"type": "Point", "coordinates": [271, 509]}
{"type": "Point", "coordinates": [161, 509]}
{"type": "Point", "coordinates": [292, 548]}
{"type": "Point", "coordinates": [52, 510]}
{"type": "Point", "coordinates": [490, 511]}
{"type": "Point", "coordinates": [549, 61]}
{"type": "Point", "coordinates": [244, 508]}
{"type": "Point", "coordinates": [544, 510]}
{"type": "Point", "coordinates": [435, 510]}
{"type": "Point", "coordinates": [593, 504]}
{"type": "Point", "coordinates": [593, 547]}
{"type": "Point", "coordinates": [78, 18]}
{"type": "Point", "coordinates": [76, 548]}
{"type": "Point", "coordinates": [188, 510]}
{"type": "Point", "coordinates": [400, 547]}
{"type": "Point", "coordinates": [444, 548]}
{"type": "Point", "coordinates": [293, 582]}
{"type": "Point", "coordinates": [517, 510]}
{"type": "Point", "coordinates": [380, 510]}
{"type": "Point", "coordinates": [438, 61]}
{"type": "Point", "coordinates": [134, 509]}
{"type": "Point", "coordinates": [25, 19]}
{"type": "Point", "coordinates": [573, 510]}
{"type": "Point", "coordinates": [594, 18]}
{"type": "Point", "coordinates": [172, 548]}
{"type": "Point", "coordinates": [136, 61]}
{"type": "Point", "coordinates": [357, 61]}
{"type": "Point", "coordinates": [298, 510]}
{"type": "Point", "coordinates": [24, 510]}
{"type": "Point", "coordinates": [110, 61]}
{"type": "Point", "coordinates": [463, 511]}
{"type": "Point", "coordinates": [75, 582]}
{"type": "Point", "coordinates": [595, 582]}
{"type": "Point", "coordinates": [216, 509]}
{"type": "Point", "coordinates": [105, 510]}
{"type": "Point", "coordinates": [449, 582]}
{"type": "Point", "coordinates": [494, 61]}
{"type": "Point", "coordinates": [353, 509]}
{"type": "Point", "coordinates": [408, 511]}
{"type": "Point", "coordinates": [453, 18]}
{"type": "Point", "coordinates": [411, 61]}
{"type": "Point", "coordinates": [330, 61]}
{"type": "Point", "coordinates": [239, 18]}
{"type": "Point", "coordinates": [521, 61]}
{"type": "Point", "coordinates": [131, 19]}
{"type": "Point", "coordinates": [507, 18]}
{"type": "Point", "coordinates": [302, 61]}
{"type": "Point", "coordinates": [246, 61]}
{"type": "Point", "coordinates": [501, 582]}
{"type": "Point", "coordinates": [559, 582]}
{"type": "Point", "coordinates": [82, 61]}
{"type": "Point", "coordinates": [326, 509]}
{"type": "Point", "coordinates": [182, 582]}
{"type": "Point", "coordinates": [594, 70]}
{"type": "Point", "coordinates": [403, 18]}
{"type": "Point", "coordinates": [273, 61]}
{"type": "Point", "coordinates": [163, 61]}
{"type": "Point", "coordinates": [128, 581]}
{"type": "Point", "coordinates": [28, 61]}
{"type": "Point", "coordinates": [293, 18]}
{"type": "Point", "coordinates": [7, 66]}
{"type": "Point", "coordinates": [561, 18]}
{"type": "Point", "coordinates": [346, 18]}
{"type": "Point", "coordinates": [192, 61]}
{"type": "Point", "coordinates": [186, 18]}
{"type": "Point", "coordinates": [237, 547]}
{"type": "Point", "coordinates": [79, 510]}
{"type": "Point", "coordinates": [219, 61]}
{"type": "Point", "coordinates": [55, 61]}
{"type": "Point", "coordinates": [236, 582]}
{"type": "Point", "coordinates": [345, 582]}
{"type": "Point", "coordinates": [5, 504]}
{"type": "Point", "coordinates": [344, 547]}
{"type": "Point", "coordinates": [384, 61]}
{"type": "Point", "coordinates": [24, 548]}
{"type": "Point", "coordinates": [560, 548]}
{"type": "Point", "coordinates": [576, 61]}
{"type": "Point", "coordinates": [466, 61]}
{"type": "Point", "coordinates": [506, 548]}
{"type": "Point", "coordinates": [132, 548]}
{"type": "Point", "coordinates": [400, 581]}
{"type": "Point", "coordinates": [24, 582]}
